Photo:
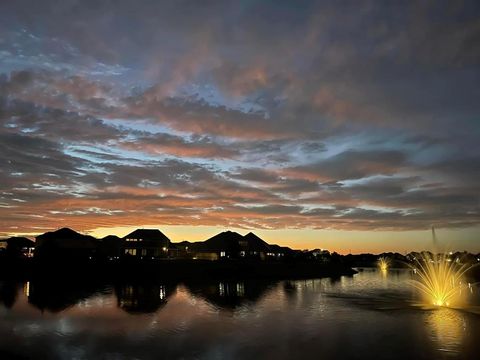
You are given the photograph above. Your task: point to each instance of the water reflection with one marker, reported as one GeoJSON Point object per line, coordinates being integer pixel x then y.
{"type": "Point", "coordinates": [347, 317]}
{"type": "Point", "coordinates": [335, 279]}
{"type": "Point", "coordinates": [289, 287]}
{"type": "Point", "coordinates": [447, 329]}
{"type": "Point", "coordinates": [133, 298]}
{"type": "Point", "coordinates": [57, 296]}
{"type": "Point", "coordinates": [229, 294]}
{"type": "Point", "coordinates": [8, 293]}
{"type": "Point", "coordinates": [26, 289]}
{"type": "Point", "coordinates": [142, 298]}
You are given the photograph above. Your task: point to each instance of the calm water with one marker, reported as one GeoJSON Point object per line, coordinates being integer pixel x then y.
{"type": "Point", "coordinates": [361, 317]}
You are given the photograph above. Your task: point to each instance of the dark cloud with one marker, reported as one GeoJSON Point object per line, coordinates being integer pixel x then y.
{"type": "Point", "coordinates": [55, 124]}
{"type": "Point", "coordinates": [32, 155]}
{"type": "Point", "coordinates": [352, 164]}
{"type": "Point", "coordinates": [256, 114]}
{"type": "Point", "coordinates": [257, 175]}
{"type": "Point", "coordinates": [200, 117]}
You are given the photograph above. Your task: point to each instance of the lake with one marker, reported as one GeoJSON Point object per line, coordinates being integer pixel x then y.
{"type": "Point", "coordinates": [368, 315]}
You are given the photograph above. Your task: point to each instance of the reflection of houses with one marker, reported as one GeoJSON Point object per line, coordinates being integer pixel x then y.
{"type": "Point", "coordinates": [8, 293]}
{"type": "Point", "coordinates": [146, 243]}
{"type": "Point", "coordinates": [56, 295]}
{"type": "Point", "coordinates": [17, 247]}
{"type": "Point", "coordinates": [142, 298]}
{"type": "Point", "coordinates": [65, 243]}
{"type": "Point", "coordinates": [230, 294]}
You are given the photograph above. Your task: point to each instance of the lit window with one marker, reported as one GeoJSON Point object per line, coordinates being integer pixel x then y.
{"type": "Point", "coordinates": [222, 253]}
{"type": "Point", "coordinates": [144, 252]}
{"type": "Point", "coordinates": [131, 252]}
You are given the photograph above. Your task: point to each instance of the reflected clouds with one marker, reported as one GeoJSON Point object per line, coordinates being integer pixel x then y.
{"type": "Point", "coordinates": [235, 319]}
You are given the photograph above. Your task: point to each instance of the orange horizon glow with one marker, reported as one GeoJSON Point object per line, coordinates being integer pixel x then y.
{"type": "Point", "coordinates": [341, 241]}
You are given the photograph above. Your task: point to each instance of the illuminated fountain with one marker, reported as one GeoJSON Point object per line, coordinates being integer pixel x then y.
{"type": "Point", "coordinates": [440, 279]}
{"type": "Point", "coordinates": [383, 263]}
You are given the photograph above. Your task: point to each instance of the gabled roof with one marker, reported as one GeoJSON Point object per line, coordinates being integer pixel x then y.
{"type": "Point", "coordinates": [67, 238]}
{"type": "Point", "coordinates": [111, 240]}
{"type": "Point", "coordinates": [63, 233]}
{"type": "Point", "coordinates": [19, 242]}
{"type": "Point", "coordinates": [147, 234]}
{"type": "Point", "coordinates": [225, 241]}
{"type": "Point", "coordinates": [184, 243]}
{"type": "Point", "coordinates": [254, 243]}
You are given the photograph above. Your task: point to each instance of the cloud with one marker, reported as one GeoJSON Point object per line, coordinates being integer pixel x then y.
{"type": "Point", "coordinates": [199, 147]}
{"type": "Point", "coordinates": [255, 115]}
{"type": "Point", "coordinates": [197, 116]}
{"type": "Point", "coordinates": [351, 164]}
{"type": "Point", "coordinates": [58, 90]}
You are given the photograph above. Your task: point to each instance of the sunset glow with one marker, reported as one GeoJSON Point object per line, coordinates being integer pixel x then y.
{"type": "Point", "coordinates": [315, 125]}
{"type": "Point", "coordinates": [239, 179]}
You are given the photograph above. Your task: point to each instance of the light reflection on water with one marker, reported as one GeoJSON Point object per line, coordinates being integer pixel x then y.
{"type": "Point", "coordinates": [447, 329]}
{"type": "Point", "coordinates": [372, 314]}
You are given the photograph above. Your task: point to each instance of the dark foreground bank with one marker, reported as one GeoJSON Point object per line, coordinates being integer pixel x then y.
{"type": "Point", "coordinates": [174, 270]}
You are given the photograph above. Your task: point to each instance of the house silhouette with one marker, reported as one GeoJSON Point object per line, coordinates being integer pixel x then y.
{"type": "Point", "coordinates": [146, 243]}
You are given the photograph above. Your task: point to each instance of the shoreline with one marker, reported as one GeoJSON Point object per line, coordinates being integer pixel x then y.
{"type": "Point", "coordinates": [170, 270]}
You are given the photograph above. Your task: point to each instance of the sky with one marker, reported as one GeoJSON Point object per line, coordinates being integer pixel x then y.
{"type": "Point", "coordinates": [346, 125]}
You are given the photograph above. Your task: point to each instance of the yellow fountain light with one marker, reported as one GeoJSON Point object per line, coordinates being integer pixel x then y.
{"type": "Point", "coordinates": [441, 281]}
{"type": "Point", "coordinates": [383, 263]}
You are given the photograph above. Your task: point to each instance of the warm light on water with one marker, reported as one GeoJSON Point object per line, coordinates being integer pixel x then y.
{"type": "Point", "coordinates": [441, 280]}
{"type": "Point", "coordinates": [447, 329]}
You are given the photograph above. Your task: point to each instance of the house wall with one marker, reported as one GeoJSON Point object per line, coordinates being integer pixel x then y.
{"type": "Point", "coordinates": [206, 256]}
{"type": "Point", "coordinates": [140, 251]}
